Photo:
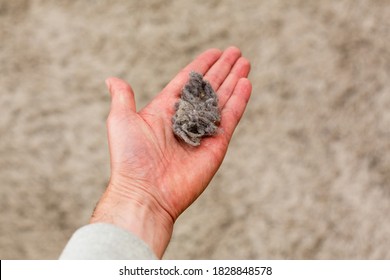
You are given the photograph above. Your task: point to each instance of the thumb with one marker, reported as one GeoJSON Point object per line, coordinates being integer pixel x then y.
{"type": "Point", "coordinates": [122, 95]}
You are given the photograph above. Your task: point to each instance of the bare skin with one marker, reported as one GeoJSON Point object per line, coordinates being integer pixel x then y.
{"type": "Point", "coordinates": [154, 175]}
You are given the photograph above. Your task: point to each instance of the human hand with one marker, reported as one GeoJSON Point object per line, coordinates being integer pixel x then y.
{"type": "Point", "coordinates": [154, 175]}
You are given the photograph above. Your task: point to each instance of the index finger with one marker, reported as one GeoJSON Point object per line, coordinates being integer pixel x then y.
{"type": "Point", "coordinates": [201, 64]}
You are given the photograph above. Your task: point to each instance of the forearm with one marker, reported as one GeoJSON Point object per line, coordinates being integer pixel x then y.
{"type": "Point", "coordinates": [138, 214]}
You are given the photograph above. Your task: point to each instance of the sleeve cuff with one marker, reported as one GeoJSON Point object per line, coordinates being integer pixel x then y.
{"type": "Point", "coordinates": [105, 242]}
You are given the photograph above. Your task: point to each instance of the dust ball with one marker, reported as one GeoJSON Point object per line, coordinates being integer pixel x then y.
{"type": "Point", "coordinates": [197, 113]}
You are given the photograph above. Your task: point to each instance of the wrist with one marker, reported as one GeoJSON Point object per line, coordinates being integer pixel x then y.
{"type": "Point", "coordinates": [138, 212]}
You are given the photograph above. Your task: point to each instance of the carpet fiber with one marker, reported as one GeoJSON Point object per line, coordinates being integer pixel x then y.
{"type": "Point", "coordinates": [307, 175]}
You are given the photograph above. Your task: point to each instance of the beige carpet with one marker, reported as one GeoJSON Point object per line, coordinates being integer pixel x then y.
{"type": "Point", "coordinates": [307, 175]}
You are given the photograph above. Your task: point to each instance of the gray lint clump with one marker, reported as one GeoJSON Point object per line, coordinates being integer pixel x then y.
{"type": "Point", "coordinates": [197, 113]}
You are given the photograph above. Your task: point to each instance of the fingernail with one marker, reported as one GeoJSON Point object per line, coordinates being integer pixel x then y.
{"type": "Point", "coordinates": [107, 81]}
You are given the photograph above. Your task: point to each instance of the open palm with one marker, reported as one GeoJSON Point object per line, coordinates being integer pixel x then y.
{"type": "Point", "coordinates": [147, 160]}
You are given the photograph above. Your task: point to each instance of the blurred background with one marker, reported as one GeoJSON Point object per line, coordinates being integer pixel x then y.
{"type": "Point", "coordinates": [307, 175]}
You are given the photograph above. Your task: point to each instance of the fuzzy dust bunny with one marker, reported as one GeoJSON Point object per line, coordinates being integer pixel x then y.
{"type": "Point", "coordinates": [197, 113]}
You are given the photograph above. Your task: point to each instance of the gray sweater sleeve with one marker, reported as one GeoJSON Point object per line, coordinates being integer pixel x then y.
{"type": "Point", "coordinates": [105, 242]}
